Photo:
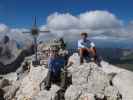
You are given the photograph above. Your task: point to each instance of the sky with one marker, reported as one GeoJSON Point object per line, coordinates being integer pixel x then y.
{"type": "Point", "coordinates": [19, 13]}
{"type": "Point", "coordinates": [105, 20]}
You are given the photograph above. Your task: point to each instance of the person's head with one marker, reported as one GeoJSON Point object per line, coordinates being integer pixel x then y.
{"type": "Point", "coordinates": [61, 40]}
{"type": "Point", "coordinates": [54, 51]}
{"type": "Point", "coordinates": [83, 35]}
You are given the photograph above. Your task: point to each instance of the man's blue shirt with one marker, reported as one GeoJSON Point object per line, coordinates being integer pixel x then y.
{"type": "Point", "coordinates": [55, 65]}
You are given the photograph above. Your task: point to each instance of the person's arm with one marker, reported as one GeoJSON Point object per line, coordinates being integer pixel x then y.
{"type": "Point", "coordinates": [92, 44]}
{"type": "Point", "coordinates": [80, 44]}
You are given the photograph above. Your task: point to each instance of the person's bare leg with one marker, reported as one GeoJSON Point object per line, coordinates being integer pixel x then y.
{"type": "Point", "coordinates": [81, 55]}
{"type": "Point", "coordinates": [92, 51]}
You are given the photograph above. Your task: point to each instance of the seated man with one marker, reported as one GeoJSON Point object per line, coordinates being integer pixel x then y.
{"type": "Point", "coordinates": [55, 63]}
{"type": "Point", "coordinates": [85, 46]}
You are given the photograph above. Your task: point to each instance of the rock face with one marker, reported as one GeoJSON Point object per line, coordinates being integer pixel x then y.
{"type": "Point", "coordinates": [98, 83]}
{"type": "Point", "coordinates": [47, 95]}
{"type": "Point", "coordinates": [9, 89]}
{"type": "Point", "coordinates": [88, 79]}
{"type": "Point", "coordinates": [30, 84]}
{"type": "Point", "coordinates": [124, 83]}
{"type": "Point", "coordinates": [89, 82]}
{"type": "Point", "coordinates": [9, 52]}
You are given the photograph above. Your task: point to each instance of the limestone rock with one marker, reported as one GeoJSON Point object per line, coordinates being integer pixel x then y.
{"type": "Point", "coordinates": [74, 59]}
{"type": "Point", "coordinates": [10, 76]}
{"type": "Point", "coordinates": [124, 82]}
{"type": "Point", "coordinates": [112, 93]}
{"type": "Point", "coordinates": [73, 93]}
{"type": "Point", "coordinates": [9, 49]}
{"type": "Point", "coordinates": [108, 68]}
{"type": "Point", "coordinates": [107, 82]}
{"type": "Point", "coordinates": [47, 95]}
{"type": "Point", "coordinates": [76, 93]}
{"type": "Point", "coordinates": [10, 91]}
{"type": "Point", "coordinates": [89, 82]}
{"type": "Point", "coordinates": [89, 75]}
{"type": "Point", "coordinates": [4, 82]}
{"type": "Point", "coordinates": [87, 79]}
{"type": "Point", "coordinates": [30, 84]}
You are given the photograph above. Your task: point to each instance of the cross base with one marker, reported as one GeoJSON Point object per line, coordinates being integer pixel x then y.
{"type": "Point", "coordinates": [35, 63]}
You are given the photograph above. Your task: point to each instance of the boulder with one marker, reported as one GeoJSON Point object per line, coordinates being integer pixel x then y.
{"type": "Point", "coordinates": [112, 93]}
{"type": "Point", "coordinates": [90, 75]}
{"type": "Point", "coordinates": [124, 83]}
{"type": "Point", "coordinates": [76, 93]}
{"type": "Point", "coordinates": [47, 95]}
{"type": "Point", "coordinates": [9, 52]}
{"type": "Point", "coordinates": [30, 85]}
{"type": "Point", "coordinates": [73, 92]}
{"type": "Point", "coordinates": [10, 91]}
{"type": "Point", "coordinates": [4, 82]}
{"type": "Point", "coordinates": [107, 82]}
{"type": "Point", "coordinates": [74, 59]}
{"type": "Point", "coordinates": [10, 76]}
{"type": "Point", "coordinates": [87, 79]}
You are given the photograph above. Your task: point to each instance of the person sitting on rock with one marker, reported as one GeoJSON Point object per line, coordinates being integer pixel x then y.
{"type": "Point", "coordinates": [55, 64]}
{"type": "Point", "coordinates": [85, 46]}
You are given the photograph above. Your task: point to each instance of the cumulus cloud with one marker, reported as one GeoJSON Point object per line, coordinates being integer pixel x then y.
{"type": "Point", "coordinates": [3, 28]}
{"type": "Point", "coordinates": [88, 20]}
{"type": "Point", "coordinates": [97, 23]}
{"type": "Point", "coordinates": [99, 20]}
{"type": "Point", "coordinates": [62, 21]}
{"type": "Point", "coordinates": [93, 22]}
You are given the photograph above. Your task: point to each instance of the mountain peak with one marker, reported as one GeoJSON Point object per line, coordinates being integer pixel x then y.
{"type": "Point", "coordinates": [87, 81]}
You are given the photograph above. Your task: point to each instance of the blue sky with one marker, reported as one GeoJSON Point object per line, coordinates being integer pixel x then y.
{"type": "Point", "coordinates": [106, 21]}
{"type": "Point", "coordinates": [19, 13]}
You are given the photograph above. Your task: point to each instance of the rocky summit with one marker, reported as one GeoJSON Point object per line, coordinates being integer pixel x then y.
{"type": "Point", "coordinates": [88, 82]}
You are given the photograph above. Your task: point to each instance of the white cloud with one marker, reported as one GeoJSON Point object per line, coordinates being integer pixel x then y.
{"type": "Point", "coordinates": [92, 20]}
{"type": "Point", "coordinates": [3, 28]}
{"type": "Point", "coordinates": [99, 20]}
{"type": "Point", "coordinates": [62, 21]}
{"type": "Point", "coordinates": [96, 23]}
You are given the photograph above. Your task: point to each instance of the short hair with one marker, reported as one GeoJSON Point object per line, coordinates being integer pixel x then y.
{"type": "Point", "coordinates": [84, 33]}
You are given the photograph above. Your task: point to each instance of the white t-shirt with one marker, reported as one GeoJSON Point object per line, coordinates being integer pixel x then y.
{"type": "Point", "coordinates": [85, 44]}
